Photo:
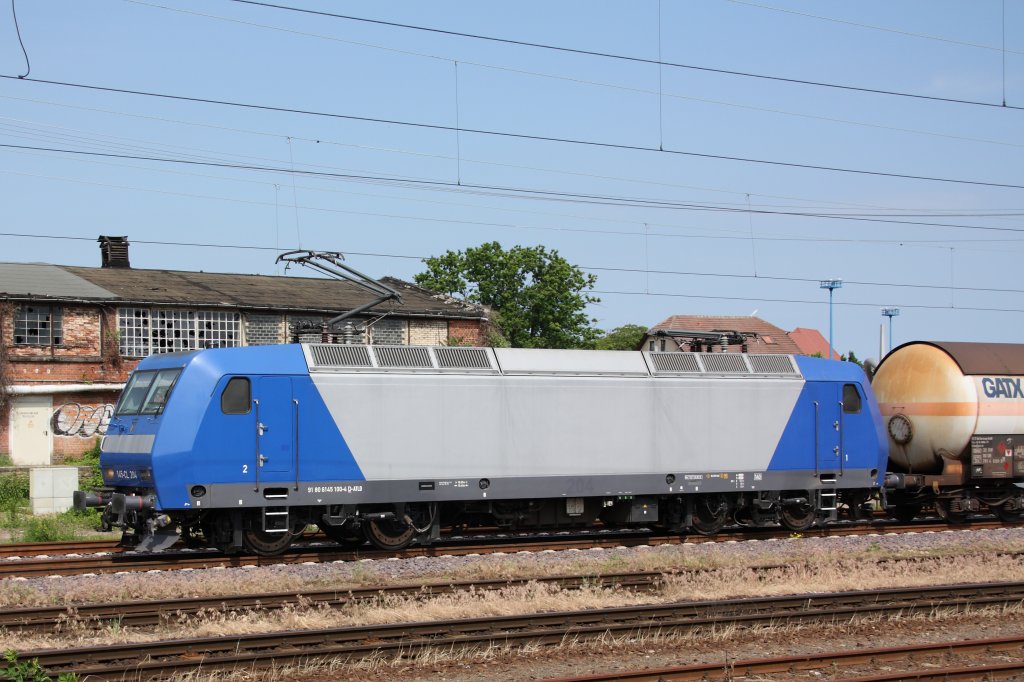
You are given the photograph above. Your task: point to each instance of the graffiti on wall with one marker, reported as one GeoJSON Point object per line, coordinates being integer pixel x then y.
{"type": "Point", "coordinates": [74, 419]}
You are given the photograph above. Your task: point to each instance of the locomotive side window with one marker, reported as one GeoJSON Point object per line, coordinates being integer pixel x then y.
{"type": "Point", "coordinates": [851, 398]}
{"type": "Point", "coordinates": [134, 393]}
{"type": "Point", "coordinates": [160, 391]}
{"type": "Point", "coordinates": [236, 398]}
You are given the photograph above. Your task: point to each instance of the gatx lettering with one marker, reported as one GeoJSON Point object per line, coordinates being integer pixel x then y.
{"type": "Point", "coordinates": [1002, 388]}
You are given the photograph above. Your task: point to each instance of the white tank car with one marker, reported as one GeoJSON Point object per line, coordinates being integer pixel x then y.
{"type": "Point", "coordinates": [962, 402]}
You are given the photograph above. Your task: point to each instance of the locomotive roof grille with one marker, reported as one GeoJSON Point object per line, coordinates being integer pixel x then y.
{"type": "Point", "coordinates": [724, 363]}
{"type": "Point", "coordinates": [403, 356]}
{"type": "Point", "coordinates": [669, 363]}
{"type": "Point", "coordinates": [771, 364]}
{"type": "Point", "coordinates": [675, 362]}
{"type": "Point", "coordinates": [334, 355]}
{"type": "Point", "coordinates": [462, 358]}
{"type": "Point", "coordinates": [445, 359]}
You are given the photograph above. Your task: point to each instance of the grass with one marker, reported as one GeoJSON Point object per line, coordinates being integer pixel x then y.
{"type": "Point", "coordinates": [720, 583]}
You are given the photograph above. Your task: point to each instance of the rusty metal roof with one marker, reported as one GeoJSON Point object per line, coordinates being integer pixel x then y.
{"type": "Point", "coordinates": [247, 292]}
{"type": "Point", "coordinates": [979, 358]}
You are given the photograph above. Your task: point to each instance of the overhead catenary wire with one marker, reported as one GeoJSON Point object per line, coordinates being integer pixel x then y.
{"type": "Point", "coordinates": [872, 27]}
{"type": "Point", "coordinates": [542, 169]}
{"type": "Point", "coordinates": [629, 58]}
{"type": "Point", "coordinates": [504, 191]}
{"type": "Point", "coordinates": [582, 81]}
{"type": "Point", "coordinates": [525, 136]}
{"type": "Point", "coordinates": [21, 43]}
{"type": "Point", "coordinates": [716, 232]}
{"type": "Point", "coordinates": [510, 192]}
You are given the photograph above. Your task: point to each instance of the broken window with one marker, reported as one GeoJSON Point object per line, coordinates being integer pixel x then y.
{"type": "Point", "coordinates": [38, 325]}
{"type": "Point", "coordinates": [217, 329]}
{"type": "Point", "coordinates": [133, 332]}
{"type": "Point", "coordinates": [142, 332]}
{"type": "Point", "coordinates": [173, 331]}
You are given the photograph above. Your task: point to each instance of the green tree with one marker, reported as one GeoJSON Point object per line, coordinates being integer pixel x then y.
{"type": "Point", "coordinates": [539, 298]}
{"type": "Point", "coordinates": [626, 337]}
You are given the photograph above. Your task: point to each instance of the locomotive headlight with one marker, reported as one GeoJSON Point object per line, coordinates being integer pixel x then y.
{"type": "Point", "coordinates": [108, 473]}
{"type": "Point", "coordinates": [146, 474]}
{"type": "Point", "coordinates": [900, 429]}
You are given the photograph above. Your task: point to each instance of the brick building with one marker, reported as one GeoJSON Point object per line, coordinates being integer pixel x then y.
{"type": "Point", "coordinates": [70, 336]}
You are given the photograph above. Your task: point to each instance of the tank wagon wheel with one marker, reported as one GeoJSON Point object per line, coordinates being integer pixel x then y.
{"type": "Point", "coordinates": [905, 513]}
{"type": "Point", "coordinates": [1008, 515]}
{"type": "Point", "coordinates": [389, 534]}
{"type": "Point", "coordinates": [942, 508]}
{"type": "Point", "coordinates": [856, 504]}
{"type": "Point", "coordinates": [710, 513]}
{"type": "Point", "coordinates": [798, 517]}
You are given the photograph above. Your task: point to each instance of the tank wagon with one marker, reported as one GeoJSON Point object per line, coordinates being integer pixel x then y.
{"type": "Point", "coordinates": [954, 415]}
{"type": "Point", "coordinates": [244, 447]}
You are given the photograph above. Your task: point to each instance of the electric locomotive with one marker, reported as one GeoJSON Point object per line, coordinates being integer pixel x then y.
{"type": "Point", "coordinates": [245, 447]}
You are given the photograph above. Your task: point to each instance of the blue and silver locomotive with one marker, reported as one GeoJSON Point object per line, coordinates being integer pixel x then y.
{"type": "Point", "coordinates": [245, 447]}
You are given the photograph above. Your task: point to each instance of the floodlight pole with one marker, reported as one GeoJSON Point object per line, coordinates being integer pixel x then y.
{"type": "Point", "coordinates": [890, 313]}
{"type": "Point", "coordinates": [831, 285]}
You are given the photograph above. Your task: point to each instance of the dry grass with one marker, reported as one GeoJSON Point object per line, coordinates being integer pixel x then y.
{"type": "Point", "coordinates": [721, 583]}
{"type": "Point", "coordinates": [716, 639]}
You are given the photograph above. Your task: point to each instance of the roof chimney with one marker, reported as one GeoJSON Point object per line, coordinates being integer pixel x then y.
{"type": "Point", "coordinates": [114, 251]}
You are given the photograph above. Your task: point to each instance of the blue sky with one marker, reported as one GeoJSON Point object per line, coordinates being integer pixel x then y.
{"type": "Point", "coordinates": [665, 230]}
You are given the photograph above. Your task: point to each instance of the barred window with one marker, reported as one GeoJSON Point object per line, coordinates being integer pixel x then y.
{"type": "Point", "coordinates": [217, 329]}
{"type": "Point", "coordinates": [174, 331]}
{"type": "Point", "coordinates": [133, 332]}
{"type": "Point", "coordinates": [142, 331]}
{"type": "Point", "coordinates": [38, 325]}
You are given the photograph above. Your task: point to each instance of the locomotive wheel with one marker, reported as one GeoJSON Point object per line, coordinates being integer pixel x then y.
{"type": "Point", "coordinates": [942, 508]}
{"type": "Point", "coordinates": [798, 517]}
{"type": "Point", "coordinates": [263, 543]}
{"type": "Point", "coordinates": [393, 534]}
{"type": "Point", "coordinates": [904, 513]}
{"type": "Point", "coordinates": [710, 512]}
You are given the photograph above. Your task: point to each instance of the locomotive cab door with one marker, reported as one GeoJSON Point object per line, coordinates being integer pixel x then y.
{"type": "Point", "coordinates": [274, 410]}
{"type": "Point", "coordinates": [828, 426]}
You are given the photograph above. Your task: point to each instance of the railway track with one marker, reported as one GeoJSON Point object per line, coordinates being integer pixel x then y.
{"type": "Point", "coordinates": [157, 659]}
{"type": "Point", "coordinates": [126, 561]}
{"type": "Point", "coordinates": [843, 661]}
{"type": "Point", "coordinates": [153, 612]}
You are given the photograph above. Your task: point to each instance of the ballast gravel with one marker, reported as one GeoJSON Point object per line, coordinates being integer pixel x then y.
{"type": "Point", "coordinates": [723, 554]}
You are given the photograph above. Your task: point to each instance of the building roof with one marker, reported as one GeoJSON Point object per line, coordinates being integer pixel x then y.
{"type": "Point", "coordinates": [810, 341]}
{"type": "Point", "coordinates": [217, 290]}
{"type": "Point", "coordinates": [769, 339]}
{"type": "Point", "coordinates": [49, 281]}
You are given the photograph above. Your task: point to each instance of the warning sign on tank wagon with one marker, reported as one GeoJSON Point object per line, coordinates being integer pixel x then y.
{"type": "Point", "coordinates": [994, 456]}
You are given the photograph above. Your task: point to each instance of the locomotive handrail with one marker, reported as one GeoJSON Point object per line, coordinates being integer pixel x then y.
{"type": "Point", "coordinates": [296, 404]}
{"type": "Point", "coordinates": [842, 446]}
{"type": "Point", "coordinates": [256, 411]}
{"type": "Point", "coordinates": [817, 416]}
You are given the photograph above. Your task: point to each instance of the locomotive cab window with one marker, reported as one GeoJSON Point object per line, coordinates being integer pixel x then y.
{"type": "Point", "coordinates": [851, 399]}
{"type": "Point", "coordinates": [236, 398]}
{"type": "Point", "coordinates": [160, 391]}
{"type": "Point", "coordinates": [134, 393]}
